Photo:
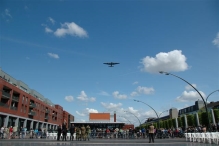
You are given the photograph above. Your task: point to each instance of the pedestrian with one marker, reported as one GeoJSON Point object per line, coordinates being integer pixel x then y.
{"type": "Point", "coordinates": [88, 132]}
{"type": "Point", "coordinates": [151, 133]}
{"type": "Point", "coordinates": [72, 131]}
{"type": "Point", "coordinates": [64, 130]}
{"type": "Point", "coordinates": [10, 132]}
{"type": "Point", "coordinates": [59, 132]}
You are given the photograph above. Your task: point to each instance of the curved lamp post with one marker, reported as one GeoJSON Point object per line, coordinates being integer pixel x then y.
{"type": "Point", "coordinates": [152, 109]}
{"type": "Point", "coordinates": [166, 73]}
{"type": "Point", "coordinates": [163, 112]}
{"type": "Point", "coordinates": [126, 119]}
{"type": "Point", "coordinates": [135, 116]}
{"type": "Point", "coordinates": [210, 94]}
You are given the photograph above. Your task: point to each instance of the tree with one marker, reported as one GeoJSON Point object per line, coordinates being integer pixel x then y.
{"type": "Point", "coordinates": [190, 120]}
{"type": "Point", "coordinates": [216, 114]}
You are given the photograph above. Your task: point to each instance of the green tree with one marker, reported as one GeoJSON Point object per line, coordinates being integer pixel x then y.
{"type": "Point", "coordinates": [190, 120]}
{"type": "Point", "coordinates": [174, 122]}
{"type": "Point", "coordinates": [179, 122]}
{"type": "Point", "coordinates": [170, 123]}
{"type": "Point", "coordinates": [216, 114]}
{"type": "Point", "coordinates": [183, 121]}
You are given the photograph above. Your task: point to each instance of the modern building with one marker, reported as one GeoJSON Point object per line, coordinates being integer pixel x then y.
{"type": "Point", "coordinates": [192, 109]}
{"type": "Point", "coordinates": [21, 106]}
{"type": "Point", "coordinates": [101, 121]}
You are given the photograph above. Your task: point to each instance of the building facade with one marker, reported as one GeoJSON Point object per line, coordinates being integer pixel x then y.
{"type": "Point", "coordinates": [21, 106]}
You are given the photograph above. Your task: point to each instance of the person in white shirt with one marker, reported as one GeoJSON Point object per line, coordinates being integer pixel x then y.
{"type": "Point", "coordinates": [2, 132]}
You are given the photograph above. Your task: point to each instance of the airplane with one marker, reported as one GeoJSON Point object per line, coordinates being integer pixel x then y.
{"type": "Point", "coordinates": [111, 63]}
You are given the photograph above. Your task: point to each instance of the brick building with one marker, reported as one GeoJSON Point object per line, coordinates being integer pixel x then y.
{"type": "Point", "coordinates": [21, 106]}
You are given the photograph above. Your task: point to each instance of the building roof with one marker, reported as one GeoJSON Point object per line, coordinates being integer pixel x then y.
{"type": "Point", "coordinates": [99, 116]}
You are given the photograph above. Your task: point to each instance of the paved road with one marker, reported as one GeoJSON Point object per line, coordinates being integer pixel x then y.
{"type": "Point", "coordinates": [101, 142]}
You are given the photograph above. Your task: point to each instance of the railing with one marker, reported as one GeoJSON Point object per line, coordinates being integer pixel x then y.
{"type": "Point", "coordinates": [32, 105]}
{"type": "Point", "coordinates": [6, 94]}
{"type": "Point", "coordinates": [4, 104]}
{"type": "Point", "coordinates": [13, 108]}
{"type": "Point", "coordinates": [15, 98]}
{"type": "Point", "coordinates": [31, 113]}
{"type": "Point", "coordinates": [47, 111]}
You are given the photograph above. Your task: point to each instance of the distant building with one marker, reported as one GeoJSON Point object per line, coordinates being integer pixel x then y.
{"type": "Point", "coordinates": [101, 121]}
{"type": "Point", "coordinates": [192, 109]}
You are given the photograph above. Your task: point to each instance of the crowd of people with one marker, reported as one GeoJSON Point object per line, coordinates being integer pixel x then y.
{"type": "Point", "coordinates": [84, 132]}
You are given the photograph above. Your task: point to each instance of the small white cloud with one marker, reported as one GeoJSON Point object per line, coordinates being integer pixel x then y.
{"type": "Point", "coordinates": [142, 90]}
{"type": "Point", "coordinates": [51, 20]}
{"type": "Point", "coordinates": [89, 110]}
{"type": "Point", "coordinates": [145, 90]}
{"type": "Point", "coordinates": [188, 96]}
{"type": "Point", "coordinates": [111, 106]}
{"type": "Point", "coordinates": [52, 55]}
{"type": "Point", "coordinates": [136, 82]}
{"type": "Point", "coordinates": [7, 13]}
{"type": "Point", "coordinates": [103, 93]}
{"type": "Point", "coordinates": [216, 40]}
{"type": "Point", "coordinates": [80, 114]}
{"type": "Point", "coordinates": [48, 30]}
{"type": "Point", "coordinates": [188, 87]}
{"type": "Point", "coordinates": [70, 29]}
{"type": "Point", "coordinates": [83, 97]}
{"type": "Point", "coordinates": [119, 96]}
{"type": "Point", "coordinates": [69, 98]}
{"type": "Point", "coordinates": [172, 61]}
{"type": "Point", "coordinates": [134, 93]}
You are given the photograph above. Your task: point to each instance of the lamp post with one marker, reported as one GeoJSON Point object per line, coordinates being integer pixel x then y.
{"type": "Point", "coordinates": [166, 73]}
{"type": "Point", "coordinates": [135, 116]}
{"type": "Point", "coordinates": [210, 94]}
{"type": "Point", "coordinates": [152, 109]}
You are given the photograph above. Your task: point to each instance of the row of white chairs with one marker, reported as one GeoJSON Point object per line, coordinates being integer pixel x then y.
{"type": "Point", "coordinates": [209, 137]}
{"type": "Point", "coordinates": [54, 136]}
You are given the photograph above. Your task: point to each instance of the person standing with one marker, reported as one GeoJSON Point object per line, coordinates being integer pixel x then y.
{"type": "Point", "coordinates": [88, 132]}
{"type": "Point", "coordinates": [72, 131]}
{"type": "Point", "coordinates": [64, 130]}
{"type": "Point", "coordinates": [59, 132]}
{"type": "Point", "coordinates": [151, 133]}
{"type": "Point", "coordinates": [83, 130]}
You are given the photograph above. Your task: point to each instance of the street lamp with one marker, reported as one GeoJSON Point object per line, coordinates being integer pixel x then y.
{"type": "Point", "coordinates": [210, 94]}
{"type": "Point", "coordinates": [152, 109]}
{"type": "Point", "coordinates": [166, 73]}
{"type": "Point", "coordinates": [162, 113]}
{"type": "Point", "coordinates": [135, 116]}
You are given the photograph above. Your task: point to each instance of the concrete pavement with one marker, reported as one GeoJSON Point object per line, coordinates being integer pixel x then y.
{"type": "Point", "coordinates": [100, 142]}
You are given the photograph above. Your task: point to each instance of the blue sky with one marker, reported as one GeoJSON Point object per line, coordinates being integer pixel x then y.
{"type": "Point", "coordinates": [58, 48]}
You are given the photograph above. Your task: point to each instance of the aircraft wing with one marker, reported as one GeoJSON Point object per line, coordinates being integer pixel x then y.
{"type": "Point", "coordinates": [114, 63]}
{"type": "Point", "coordinates": [107, 63]}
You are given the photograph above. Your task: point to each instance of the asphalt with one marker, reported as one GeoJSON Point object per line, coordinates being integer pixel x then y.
{"type": "Point", "coordinates": [101, 142]}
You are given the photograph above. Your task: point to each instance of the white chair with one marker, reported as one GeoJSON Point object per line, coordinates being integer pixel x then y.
{"type": "Point", "coordinates": [55, 135]}
{"type": "Point", "coordinates": [47, 135]}
{"type": "Point", "coordinates": [213, 137]}
{"type": "Point", "coordinates": [193, 136]}
{"type": "Point", "coordinates": [74, 136]}
{"type": "Point", "coordinates": [207, 137]}
{"type": "Point", "coordinates": [68, 136]}
{"type": "Point", "coordinates": [198, 137]}
{"type": "Point", "coordinates": [188, 136]}
{"type": "Point", "coordinates": [202, 137]}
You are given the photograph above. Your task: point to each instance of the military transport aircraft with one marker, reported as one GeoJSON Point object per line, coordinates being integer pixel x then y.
{"type": "Point", "coordinates": [111, 63]}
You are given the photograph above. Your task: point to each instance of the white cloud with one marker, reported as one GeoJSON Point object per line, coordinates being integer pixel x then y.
{"type": "Point", "coordinates": [111, 106]}
{"type": "Point", "coordinates": [136, 82]}
{"type": "Point", "coordinates": [119, 96]}
{"type": "Point", "coordinates": [80, 114]}
{"type": "Point", "coordinates": [69, 98]}
{"type": "Point", "coordinates": [70, 29]}
{"type": "Point", "coordinates": [216, 40]}
{"type": "Point", "coordinates": [134, 93]}
{"type": "Point", "coordinates": [52, 55]}
{"type": "Point", "coordinates": [188, 87]}
{"type": "Point", "coordinates": [7, 13]}
{"type": "Point", "coordinates": [103, 93]}
{"type": "Point", "coordinates": [172, 61]}
{"type": "Point", "coordinates": [48, 30]}
{"type": "Point", "coordinates": [51, 20]}
{"type": "Point", "coordinates": [142, 90]}
{"type": "Point", "coordinates": [86, 112]}
{"type": "Point", "coordinates": [83, 97]}
{"type": "Point", "coordinates": [188, 96]}
{"type": "Point", "coordinates": [145, 90]}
